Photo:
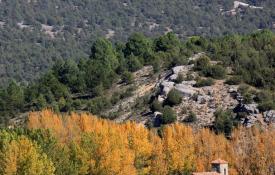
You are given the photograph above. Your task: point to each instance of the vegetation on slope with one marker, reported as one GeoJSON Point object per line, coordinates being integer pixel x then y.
{"type": "Point", "coordinates": [82, 85]}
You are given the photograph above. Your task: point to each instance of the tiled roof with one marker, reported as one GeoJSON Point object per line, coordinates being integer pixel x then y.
{"type": "Point", "coordinates": [219, 161]}
{"type": "Point", "coordinates": [207, 173]}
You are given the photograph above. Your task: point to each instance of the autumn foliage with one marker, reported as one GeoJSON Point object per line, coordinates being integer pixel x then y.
{"type": "Point", "coordinates": [89, 145]}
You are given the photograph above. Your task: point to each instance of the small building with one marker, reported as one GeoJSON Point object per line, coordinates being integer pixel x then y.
{"type": "Point", "coordinates": [219, 167]}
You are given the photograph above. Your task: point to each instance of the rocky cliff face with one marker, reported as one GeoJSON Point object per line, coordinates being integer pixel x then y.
{"type": "Point", "coordinates": [202, 101]}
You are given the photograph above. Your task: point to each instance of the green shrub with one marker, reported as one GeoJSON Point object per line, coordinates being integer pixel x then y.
{"type": "Point", "coordinates": [41, 102]}
{"type": "Point", "coordinates": [191, 118]}
{"type": "Point", "coordinates": [173, 98]}
{"type": "Point", "coordinates": [115, 98]}
{"type": "Point", "coordinates": [142, 102]}
{"type": "Point", "coordinates": [266, 106]}
{"type": "Point", "coordinates": [223, 122]}
{"type": "Point", "coordinates": [204, 82]}
{"type": "Point", "coordinates": [235, 80]}
{"type": "Point", "coordinates": [202, 63]}
{"type": "Point", "coordinates": [156, 106]}
{"type": "Point", "coordinates": [98, 104]}
{"type": "Point", "coordinates": [128, 93]}
{"type": "Point", "coordinates": [98, 90]}
{"type": "Point", "coordinates": [127, 77]}
{"type": "Point", "coordinates": [179, 79]}
{"type": "Point", "coordinates": [134, 63]}
{"type": "Point", "coordinates": [189, 77]}
{"type": "Point", "coordinates": [243, 88]}
{"type": "Point", "coordinates": [264, 96]}
{"type": "Point", "coordinates": [215, 71]}
{"type": "Point", "coordinates": [168, 115]}
{"type": "Point", "coordinates": [76, 104]}
{"type": "Point", "coordinates": [248, 97]}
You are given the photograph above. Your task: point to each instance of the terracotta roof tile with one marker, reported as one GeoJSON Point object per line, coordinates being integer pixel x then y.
{"type": "Point", "coordinates": [219, 161]}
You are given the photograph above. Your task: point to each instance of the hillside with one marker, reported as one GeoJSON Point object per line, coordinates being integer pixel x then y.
{"type": "Point", "coordinates": [36, 33]}
{"type": "Point", "coordinates": [218, 83]}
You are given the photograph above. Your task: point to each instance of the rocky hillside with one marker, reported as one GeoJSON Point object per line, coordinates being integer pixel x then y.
{"type": "Point", "coordinates": [202, 101]}
{"type": "Point", "coordinates": [218, 83]}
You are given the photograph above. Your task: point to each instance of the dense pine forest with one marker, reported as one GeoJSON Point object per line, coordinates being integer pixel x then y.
{"type": "Point", "coordinates": [83, 144]}
{"type": "Point", "coordinates": [36, 33]}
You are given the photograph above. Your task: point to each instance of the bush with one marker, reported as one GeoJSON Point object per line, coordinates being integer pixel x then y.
{"type": "Point", "coordinates": [76, 104]}
{"type": "Point", "coordinates": [191, 118]}
{"type": "Point", "coordinates": [223, 122]}
{"type": "Point", "coordinates": [134, 63]}
{"type": "Point", "coordinates": [128, 93]}
{"type": "Point", "coordinates": [98, 90]}
{"type": "Point", "coordinates": [179, 60]}
{"type": "Point", "coordinates": [202, 63]}
{"type": "Point", "coordinates": [189, 77]}
{"type": "Point", "coordinates": [243, 88]}
{"type": "Point", "coordinates": [115, 98]}
{"type": "Point", "coordinates": [215, 71]}
{"type": "Point", "coordinates": [235, 80]}
{"type": "Point", "coordinates": [204, 82]}
{"type": "Point", "coordinates": [127, 77]}
{"type": "Point", "coordinates": [264, 96]}
{"type": "Point", "coordinates": [179, 79]}
{"type": "Point", "coordinates": [98, 104]}
{"type": "Point", "coordinates": [156, 106]}
{"type": "Point", "coordinates": [248, 97]}
{"type": "Point", "coordinates": [173, 98]}
{"type": "Point", "coordinates": [266, 106]}
{"type": "Point", "coordinates": [168, 115]}
{"type": "Point", "coordinates": [142, 102]}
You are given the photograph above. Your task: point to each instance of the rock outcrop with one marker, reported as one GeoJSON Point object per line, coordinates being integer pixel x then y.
{"type": "Point", "coordinates": [185, 90]}
{"type": "Point", "coordinates": [203, 101]}
{"type": "Point", "coordinates": [269, 116]}
{"type": "Point", "coordinates": [250, 109]}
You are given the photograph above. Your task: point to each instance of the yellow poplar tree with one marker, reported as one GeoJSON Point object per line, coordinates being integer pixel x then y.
{"type": "Point", "coordinates": [178, 144]}
{"type": "Point", "coordinates": [23, 157]}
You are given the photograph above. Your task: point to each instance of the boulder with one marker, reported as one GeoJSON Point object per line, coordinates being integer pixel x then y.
{"type": "Point", "coordinates": [202, 99]}
{"type": "Point", "coordinates": [233, 90]}
{"type": "Point", "coordinates": [185, 90]}
{"type": "Point", "coordinates": [173, 77]}
{"type": "Point", "coordinates": [191, 83]}
{"type": "Point", "coordinates": [196, 56]}
{"type": "Point", "coordinates": [247, 108]}
{"type": "Point", "coordinates": [250, 120]}
{"type": "Point", "coordinates": [161, 98]}
{"type": "Point", "coordinates": [167, 86]}
{"type": "Point", "coordinates": [252, 108]}
{"type": "Point", "coordinates": [157, 114]}
{"type": "Point", "coordinates": [178, 69]}
{"type": "Point", "coordinates": [269, 116]}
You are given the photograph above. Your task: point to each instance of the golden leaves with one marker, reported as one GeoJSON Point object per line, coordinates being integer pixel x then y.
{"type": "Point", "coordinates": [23, 157]}
{"type": "Point", "coordinates": [105, 147]}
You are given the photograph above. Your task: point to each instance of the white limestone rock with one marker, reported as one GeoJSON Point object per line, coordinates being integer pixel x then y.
{"type": "Point", "coordinates": [269, 116]}
{"type": "Point", "coordinates": [185, 90]}
{"type": "Point", "coordinates": [167, 86]}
